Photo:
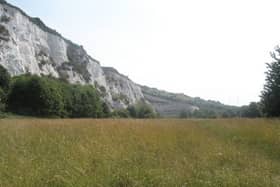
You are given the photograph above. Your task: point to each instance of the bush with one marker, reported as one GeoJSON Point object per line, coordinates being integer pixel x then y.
{"type": "Point", "coordinates": [185, 114]}
{"type": "Point", "coordinates": [32, 95]}
{"type": "Point", "coordinates": [204, 114]}
{"type": "Point", "coordinates": [84, 101]}
{"type": "Point", "coordinates": [253, 110]}
{"type": "Point", "coordinates": [106, 112]}
{"type": "Point", "coordinates": [50, 97]}
{"type": "Point", "coordinates": [4, 86]}
{"type": "Point", "coordinates": [141, 110]}
{"type": "Point", "coordinates": [122, 113]}
{"type": "Point", "coordinates": [4, 78]}
{"type": "Point", "coordinates": [2, 101]}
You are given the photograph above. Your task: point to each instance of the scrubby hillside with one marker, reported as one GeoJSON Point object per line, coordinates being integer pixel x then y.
{"type": "Point", "coordinates": [172, 105]}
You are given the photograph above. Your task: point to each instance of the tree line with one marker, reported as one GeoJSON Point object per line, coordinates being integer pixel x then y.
{"type": "Point", "coordinates": [253, 110]}
{"type": "Point", "coordinates": [45, 96]}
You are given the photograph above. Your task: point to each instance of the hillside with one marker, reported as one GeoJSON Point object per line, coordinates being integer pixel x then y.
{"type": "Point", "coordinates": [171, 105]}
{"type": "Point", "coordinates": [27, 45]}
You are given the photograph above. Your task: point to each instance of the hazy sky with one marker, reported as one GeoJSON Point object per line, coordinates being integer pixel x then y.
{"type": "Point", "coordinates": [212, 49]}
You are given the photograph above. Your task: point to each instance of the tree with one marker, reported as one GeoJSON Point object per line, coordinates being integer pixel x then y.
{"type": "Point", "coordinates": [204, 114]}
{"type": "Point", "coordinates": [132, 111]}
{"type": "Point", "coordinates": [51, 97]}
{"type": "Point", "coordinates": [141, 110]}
{"type": "Point", "coordinates": [106, 112]}
{"type": "Point", "coordinates": [185, 114]}
{"type": "Point", "coordinates": [270, 97]}
{"type": "Point", "coordinates": [4, 78]}
{"type": "Point", "coordinates": [32, 95]}
{"type": "Point", "coordinates": [121, 113]}
{"type": "Point", "coordinates": [227, 114]}
{"type": "Point", "coordinates": [4, 86]}
{"type": "Point", "coordinates": [86, 102]}
{"type": "Point", "coordinates": [2, 100]}
{"type": "Point", "coordinates": [251, 111]}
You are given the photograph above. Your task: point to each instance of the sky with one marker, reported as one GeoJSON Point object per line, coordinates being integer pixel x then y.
{"type": "Point", "coordinates": [214, 49]}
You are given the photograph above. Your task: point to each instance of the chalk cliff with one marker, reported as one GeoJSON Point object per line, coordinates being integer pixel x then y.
{"type": "Point", "coordinates": [27, 45]}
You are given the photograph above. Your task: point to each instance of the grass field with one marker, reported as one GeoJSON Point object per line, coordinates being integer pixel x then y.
{"type": "Point", "coordinates": [86, 153]}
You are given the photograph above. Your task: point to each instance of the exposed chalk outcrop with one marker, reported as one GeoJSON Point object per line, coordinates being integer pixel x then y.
{"type": "Point", "coordinates": [27, 45]}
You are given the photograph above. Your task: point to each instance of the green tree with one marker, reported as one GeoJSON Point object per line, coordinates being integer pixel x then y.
{"type": "Point", "coordinates": [32, 95]}
{"type": "Point", "coordinates": [141, 110]}
{"type": "Point", "coordinates": [270, 97]}
{"type": "Point", "coordinates": [106, 112]}
{"type": "Point", "coordinates": [251, 111]}
{"type": "Point", "coordinates": [2, 101]}
{"type": "Point", "coordinates": [86, 102]}
{"type": "Point", "coordinates": [121, 113]}
{"type": "Point", "coordinates": [50, 97]}
{"type": "Point", "coordinates": [133, 111]}
{"type": "Point", "coordinates": [4, 78]}
{"type": "Point", "coordinates": [185, 114]}
{"type": "Point", "coordinates": [229, 114]}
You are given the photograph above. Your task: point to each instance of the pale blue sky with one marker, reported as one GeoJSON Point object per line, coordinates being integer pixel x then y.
{"type": "Point", "coordinates": [212, 49]}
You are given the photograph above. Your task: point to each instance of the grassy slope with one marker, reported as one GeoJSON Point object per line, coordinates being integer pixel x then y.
{"type": "Point", "coordinates": [171, 104]}
{"type": "Point", "coordinates": [59, 153]}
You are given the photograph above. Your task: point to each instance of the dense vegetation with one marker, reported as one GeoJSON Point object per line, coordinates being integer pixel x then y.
{"type": "Point", "coordinates": [4, 87]}
{"type": "Point", "coordinates": [150, 153]}
{"type": "Point", "coordinates": [271, 93]}
{"type": "Point", "coordinates": [253, 110]}
{"type": "Point", "coordinates": [31, 95]}
{"type": "Point", "coordinates": [140, 110]}
{"type": "Point", "coordinates": [48, 97]}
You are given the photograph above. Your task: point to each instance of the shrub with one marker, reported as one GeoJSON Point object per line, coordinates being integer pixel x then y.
{"type": "Point", "coordinates": [253, 110]}
{"type": "Point", "coordinates": [32, 95]}
{"type": "Point", "coordinates": [141, 110]}
{"type": "Point", "coordinates": [4, 78]}
{"type": "Point", "coordinates": [2, 101]}
{"type": "Point", "coordinates": [85, 102]}
{"type": "Point", "coordinates": [106, 112]}
{"type": "Point", "coordinates": [122, 113]}
{"type": "Point", "coordinates": [50, 97]}
{"type": "Point", "coordinates": [185, 114]}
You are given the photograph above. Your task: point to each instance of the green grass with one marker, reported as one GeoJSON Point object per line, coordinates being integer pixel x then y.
{"type": "Point", "coordinates": [123, 153]}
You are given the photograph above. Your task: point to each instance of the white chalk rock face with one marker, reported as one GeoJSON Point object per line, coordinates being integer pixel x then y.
{"type": "Point", "coordinates": [28, 46]}
{"type": "Point", "coordinates": [122, 89]}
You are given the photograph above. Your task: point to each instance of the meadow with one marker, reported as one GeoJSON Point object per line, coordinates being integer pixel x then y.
{"type": "Point", "coordinates": [124, 153]}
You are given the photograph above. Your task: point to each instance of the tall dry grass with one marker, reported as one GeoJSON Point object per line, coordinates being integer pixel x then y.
{"type": "Point", "coordinates": [58, 153]}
